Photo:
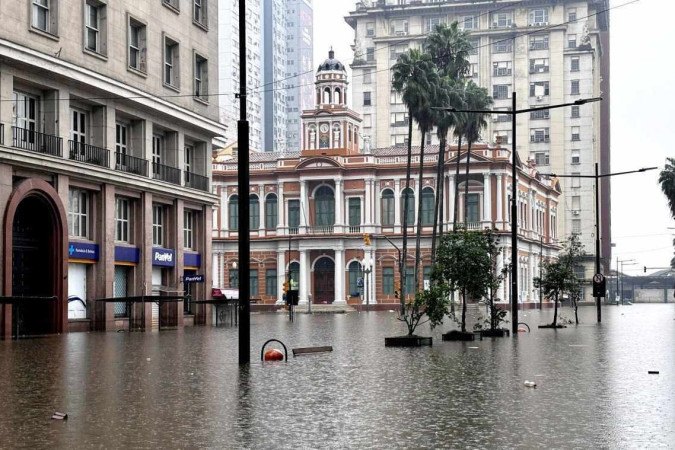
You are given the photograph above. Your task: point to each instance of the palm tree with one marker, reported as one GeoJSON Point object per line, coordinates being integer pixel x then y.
{"type": "Point", "coordinates": [667, 182]}
{"type": "Point", "coordinates": [477, 99]}
{"type": "Point", "coordinates": [413, 75]}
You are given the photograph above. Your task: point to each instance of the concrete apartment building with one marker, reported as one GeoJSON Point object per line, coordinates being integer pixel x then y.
{"type": "Point", "coordinates": [310, 209]}
{"type": "Point", "coordinates": [106, 125]}
{"type": "Point", "coordinates": [275, 48]}
{"type": "Point", "coordinates": [549, 52]}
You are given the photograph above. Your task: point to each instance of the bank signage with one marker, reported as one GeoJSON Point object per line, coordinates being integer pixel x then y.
{"type": "Point", "coordinates": [192, 259]}
{"type": "Point", "coordinates": [193, 278]}
{"type": "Point", "coordinates": [164, 257]}
{"type": "Point", "coordinates": [127, 254]}
{"type": "Point", "coordinates": [82, 250]}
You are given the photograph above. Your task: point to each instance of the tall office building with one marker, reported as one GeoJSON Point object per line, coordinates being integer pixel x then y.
{"type": "Point", "coordinates": [548, 52]}
{"type": "Point", "coordinates": [228, 69]}
{"type": "Point", "coordinates": [274, 71]}
{"type": "Point", "coordinates": [299, 81]}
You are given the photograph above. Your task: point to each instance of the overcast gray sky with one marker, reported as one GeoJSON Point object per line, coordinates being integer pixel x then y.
{"type": "Point", "coordinates": [643, 100]}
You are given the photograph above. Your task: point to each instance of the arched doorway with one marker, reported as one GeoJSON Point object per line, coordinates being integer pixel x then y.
{"type": "Point", "coordinates": [324, 280]}
{"type": "Point", "coordinates": [35, 260]}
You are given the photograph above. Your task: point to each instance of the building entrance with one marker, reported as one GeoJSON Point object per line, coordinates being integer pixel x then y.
{"type": "Point", "coordinates": [324, 281]}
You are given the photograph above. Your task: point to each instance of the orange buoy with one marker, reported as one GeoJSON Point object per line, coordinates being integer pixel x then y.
{"type": "Point", "coordinates": [522, 330]}
{"type": "Point", "coordinates": [274, 355]}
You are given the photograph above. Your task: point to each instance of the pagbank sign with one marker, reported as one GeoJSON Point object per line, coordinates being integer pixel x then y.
{"type": "Point", "coordinates": [164, 257]}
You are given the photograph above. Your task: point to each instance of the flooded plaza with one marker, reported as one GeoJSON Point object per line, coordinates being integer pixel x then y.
{"type": "Point", "coordinates": [184, 389]}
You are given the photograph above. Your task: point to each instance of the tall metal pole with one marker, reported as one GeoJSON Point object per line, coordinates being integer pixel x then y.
{"type": "Point", "coordinates": [514, 223]}
{"type": "Point", "coordinates": [541, 259]}
{"type": "Point", "coordinates": [597, 237]}
{"type": "Point", "coordinates": [617, 280]}
{"type": "Point", "coordinates": [243, 191]}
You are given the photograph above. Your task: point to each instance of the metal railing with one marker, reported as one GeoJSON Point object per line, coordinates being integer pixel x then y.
{"type": "Point", "coordinates": [321, 229]}
{"type": "Point", "coordinates": [37, 142]}
{"type": "Point", "coordinates": [354, 228]}
{"type": "Point", "coordinates": [165, 173]}
{"type": "Point", "coordinates": [195, 181]}
{"type": "Point", "coordinates": [131, 164]}
{"type": "Point", "coordinates": [79, 151]}
{"type": "Point", "coordinates": [293, 230]}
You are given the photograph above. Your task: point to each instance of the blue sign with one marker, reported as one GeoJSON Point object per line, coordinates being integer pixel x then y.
{"type": "Point", "coordinates": [192, 260]}
{"type": "Point", "coordinates": [164, 257]}
{"type": "Point", "coordinates": [127, 254]}
{"type": "Point", "coordinates": [82, 250]}
{"type": "Point", "coordinates": [193, 279]}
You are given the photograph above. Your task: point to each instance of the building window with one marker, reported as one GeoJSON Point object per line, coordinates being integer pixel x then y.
{"type": "Point", "coordinates": [576, 203]}
{"type": "Point", "coordinates": [294, 215]}
{"type": "Point", "coordinates": [121, 143]}
{"type": "Point", "coordinates": [324, 200]}
{"type": "Point", "coordinates": [470, 23]}
{"type": "Point", "coordinates": [201, 82]}
{"type": "Point", "coordinates": [539, 135]}
{"type": "Point", "coordinates": [473, 71]}
{"type": "Point", "coordinates": [410, 280]}
{"type": "Point", "coordinates": [501, 91]}
{"type": "Point", "coordinates": [502, 45]}
{"type": "Point", "coordinates": [575, 134]}
{"type": "Point", "coordinates": [171, 63]}
{"type": "Point", "coordinates": [173, 4]}
{"type": "Point", "coordinates": [354, 275]}
{"type": "Point", "coordinates": [538, 17]}
{"type": "Point", "coordinates": [78, 131]}
{"type": "Point", "coordinates": [540, 114]}
{"type": "Point", "coordinates": [502, 137]}
{"type": "Point", "coordinates": [539, 65]}
{"type": "Point", "coordinates": [157, 225]}
{"type": "Point", "coordinates": [366, 99]}
{"type": "Point", "coordinates": [574, 64]}
{"type": "Point", "coordinates": [137, 45]}
{"type": "Point", "coordinates": [253, 212]}
{"type": "Point", "coordinates": [199, 12]}
{"type": "Point", "coordinates": [474, 45]}
{"type": "Point", "coordinates": [539, 42]}
{"type": "Point", "coordinates": [387, 207]}
{"type": "Point", "coordinates": [398, 27]}
{"type": "Point", "coordinates": [95, 26]}
{"type": "Point", "coordinates": [271, 282]}
{"type": "Point", "coordinates": [233, 213]}
{"type": "Point", "coordinates": [571, 41]}
{"type": "Point", "coordinates": [45, 16]}
{"type": "Point", "coordinates": [78, 213]}
{"type": "Point", "coordinates": [271, 212]}
{"type": "Point", "coordinates": [410, 213]}
{"type": "Point", "coordinates": [572, 14]}
{"type": "Point", "coordinates": [396, 98]}
{"type": "Point", "coordinates": [539, 89]}
{"type": "Point", "coordinates": [575, 112]}
{"type": "Point", "coordinates": [367, 120]}
{"type": "Point", "coordinates": [188, 229]}
{"type": "Point", "coordinates": [370, 29]}
{"type": "Point", "coordinates": [354, 211]}
{"type": "Point", "coordinates": [157, 150]}
{"type": "Point", "coordinates": [388, 280]}
{"type": "Point", "coordinates": [367, 76]}
{"type": "Point", "coordinates": [431, 22]}
{"type": "Point", "coordinates": [576, 157]}
{"type": "Point", "coordinates": [541, 158]}
{"type": "Point", "coordinates": [501, 68]}
{"type": "Point", "coordinates": [576, 226]}
{"type": "Point", "coordinates": [370, 54]}
{"type": "Point", "coordinates": [253, 282]}
{"type": "Point", "coordinates": [426, 276]}
{"type": "Point", "coordinates": [574, 87]}
{"type": "Point", "coordinates": [473, 208]}
{"type": "Point", "coordinates": [399, 140]}
{"type": "Point", "coordinates": [122, 221]}
{"type": "Point", "coordinates": [234, 278]}
{"type": "Point", "coordinates": [428, 204]}
{"type": "Point", "coordinates": [576, 181]}
{"type": "Point", "coordinates": [502, 20]}
{"type": "Point", "coordinates": [399, 119]}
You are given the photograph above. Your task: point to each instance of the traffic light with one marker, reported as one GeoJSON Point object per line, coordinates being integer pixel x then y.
{"type": "Point", "coordinates": [397, 289]}
{"type": "Point", "coordinates": [285, 287]}
{"type": "Point", "coordinates": [366, 239]}
{"type": "Point", "coordinates": [645, 269]}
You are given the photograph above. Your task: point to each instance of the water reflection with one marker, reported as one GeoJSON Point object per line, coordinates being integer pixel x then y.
{"type": "Point", "coordinates": [185, 389]}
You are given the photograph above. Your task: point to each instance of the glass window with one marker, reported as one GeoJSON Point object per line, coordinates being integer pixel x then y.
{"type": "Point", "coordinates": [42, 15]}
{"type": "Point", "coordinates": [234, 278]}
{"type": "Point", "coordinates": [92, 26]}
{"type": "Point", "coordinates": [253, 282]}
{"type": "Point", "coordinates": [411, 207]}
{"type": "Point", "coordinates": [199, 11]}
{"type": "Point", "coordinates": [473, 208]}
{"type": "Point", "coordinates": [271, 212]}
{"type": "Point", "coordinates": [574, 88]}
{"type": "Point", "coordinates": [354, 212]}
{"type": "Point", "coordinates": [539, 17]}
{"type": "Point", "coordinates": [201, 84]}
{"type": "Point", "coordinates": [157, 225]}
{"type": "Point", "coordinates": [428, 205]}
{"type": "Point", "coordinates": [354, 274]}
{"type": "Point", "coordinates": [410, 280]}
{"type": "Point", "coordinates": [539, 88]}
{"type": "Point", "coordinates": [324, 200]}
{"type": "Point", "coordinates": [574, 64]}
{"type": "Point", "coordinates": [78, 213]}
{"type": "Point", "coordinates": [502, 45]}
{"type": "Point", "coordinates": [366, 99]}
{"type": "Point", "coordinates": [539, 42]}
{"type": "Point", "coordinates": [122, 220]}
{"type": "Point", "coordinates": [253, 212]}
{"type": "Point", "coordinates": [294, 214]}
{"type": "Point", "coordinates": [271, 282]}
{"type": "Point", "coordinates": [574, 112]}
{"type": "Point", "coordinates": [188, 229]}
{"type": "Point", "coordinates": [233, 213]}
{"type": "Point", "coordinates": [426, 274]}
{"type": "Point", "coordinates": [388, 207]}
{"type": "Point", "coordinates": [171, 63]}
{"type": "Point", "coordinates": [501, 91]}
{"type": "Point", "coordinates": [137, 45]}
{"type": "Point", "coordinates": [388, 280]}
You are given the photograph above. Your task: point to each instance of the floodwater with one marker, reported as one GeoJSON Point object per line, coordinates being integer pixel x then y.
{"type": "Point", "coordinates": [184, 389]}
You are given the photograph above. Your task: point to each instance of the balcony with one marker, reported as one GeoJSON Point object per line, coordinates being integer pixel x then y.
{"type": "Point", "coordinates": [131, 164]}
{"type": "Point", "coordinates": [194, 181]}
{"type": "Point", "coordinates": [165, 173]}
{"type": "Point", "coordinates": [354, 229]}
{"type": "Point", "coordinates": [37, 142]}
{"type": "Point", "coordinates": [320, 229]}
{"type": "Point", "coordinates": [293, 230]}
{"type": "Point", "coordinates": [79, 151]}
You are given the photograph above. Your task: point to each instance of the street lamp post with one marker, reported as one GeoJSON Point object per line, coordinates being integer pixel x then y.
{"type": "Point", "coordinates": [367, 269]}
{"type": "Point", "coordinates": [514, 188]}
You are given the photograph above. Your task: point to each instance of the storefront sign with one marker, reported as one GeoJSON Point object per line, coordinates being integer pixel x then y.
{"type": "Point", "coordinates": [127, 254]}
{"type": "Point", "coordinates": [193, 279]}
{"type": "Point", "coordinates": [192, 260]}
{"type": "Point", "coordinates": [82, 250]}
{"type": "Point", "coordinates": [164, 257]}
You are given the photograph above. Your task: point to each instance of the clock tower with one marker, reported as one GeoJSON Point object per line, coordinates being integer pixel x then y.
{"type": "Point", "coordinates": [331, 128]}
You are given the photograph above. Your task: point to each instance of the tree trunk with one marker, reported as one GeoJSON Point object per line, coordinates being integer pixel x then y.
{"type": "Point", "coordinates": [418, 237]}
{"type": "Point", "coordinates": [576, 310]}
{"type": "Point", "coordinates": [463, 310]}
{"type": "Point", "coordinates": [555, 310]}
{"type": "Point", "coordinates": [404, 254]}
{"type": "Point", "coordinates": [438, 201]}
{"type": "Point", "coordinates": [466, 183]}
{"type": "Point", "coordinates": [456, 206]}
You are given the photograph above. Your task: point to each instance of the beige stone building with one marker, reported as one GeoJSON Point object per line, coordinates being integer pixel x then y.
{"type": "Point", "coordinates": [105, 147]}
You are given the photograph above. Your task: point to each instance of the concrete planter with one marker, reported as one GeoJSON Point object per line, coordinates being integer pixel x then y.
{"type": "Point", "coordinates": [455, 335]}
{"type": "Point", "coordinates": [407, 341]}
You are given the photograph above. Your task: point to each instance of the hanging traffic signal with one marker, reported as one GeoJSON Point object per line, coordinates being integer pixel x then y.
{"type": "Point", "coordinates": [366, 239]}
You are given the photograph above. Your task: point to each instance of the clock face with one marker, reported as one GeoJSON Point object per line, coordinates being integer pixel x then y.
{"type": "Point", "coordinates": [324, 128]}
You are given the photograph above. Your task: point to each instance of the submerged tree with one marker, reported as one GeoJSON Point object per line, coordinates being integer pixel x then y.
{"type": "Point", "coordinates": [427, 306]}
{"type": "Point", "coordinates": [494, 281]}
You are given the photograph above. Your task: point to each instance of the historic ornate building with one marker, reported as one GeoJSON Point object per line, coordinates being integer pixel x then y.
{"type": "Point", "coordinates": [310, 209]}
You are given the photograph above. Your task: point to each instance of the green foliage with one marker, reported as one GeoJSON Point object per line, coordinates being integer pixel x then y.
{"type": "Point", "coordinates": [449, 47]}
{"type": "Point", "coordinates": [667, 182]}
{"type": "Point", "coordinates": [432, 303]}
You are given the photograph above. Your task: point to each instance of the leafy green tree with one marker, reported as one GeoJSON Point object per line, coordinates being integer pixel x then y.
{"type": "Point", "coordinates": [410, 80]}
{"type": "Point", "coordinates": [432, 303]}
{"type": "Point", "coordinates": [494, 281]}
{"type": "Point", "coordinates": [449, 47]}
{"type": "Point", "coordinates": [463, 263]}
{"type": "Point", "coordinates": [667, 182]}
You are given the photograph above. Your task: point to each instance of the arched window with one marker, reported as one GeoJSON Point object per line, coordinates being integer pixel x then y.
{"type": "Point", "coordinates": [253, 212]}
{"type": "Point", "coordinates": [411, 206]}
{"type": "Point", "coordinates": [354, 274]}
{"type": "Point", "coordinates": [233, 213]}
{"type": "Point", "coordinates": [326, 96]}
{"type": "Point", "coordinates": [472, 206]}
{"type": "Point", "coordinates": [271, 212]}
{"type": "Point", "coordinates": [337, 97]}
{"type": "Point", "coordinates": [324, 202]}
{"type": "Point", "coordinates": [428, 206]}
{"type": "Point", "coordinates": [388, 207]}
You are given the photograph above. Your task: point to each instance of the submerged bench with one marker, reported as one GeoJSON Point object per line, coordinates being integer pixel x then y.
{"type": "Point", "coordinates": [310, 350]}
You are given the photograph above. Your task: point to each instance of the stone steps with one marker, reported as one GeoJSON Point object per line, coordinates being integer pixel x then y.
{"type": "Point", "coordinates": [326, 309]}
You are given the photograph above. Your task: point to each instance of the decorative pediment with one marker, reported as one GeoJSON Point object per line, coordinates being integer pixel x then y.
{"type": "Point", "coordinates": [475, 158]}
{"type": "Point", "coordinates": [318, 163]}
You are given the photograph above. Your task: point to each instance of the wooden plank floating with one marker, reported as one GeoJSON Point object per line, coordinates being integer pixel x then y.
{"type": "Point", "coordinates": [310, 350]}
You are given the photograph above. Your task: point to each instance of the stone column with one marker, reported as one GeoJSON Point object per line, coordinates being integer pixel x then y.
{"type": "Point", "coordinates": [371, 277]}
{"type": "Point", "coordinates": [397, 206]}
{"type": "Point", "coordinates": [261, 209]}
{"type": "Point", "coordinates": [487, 197]}
{"type": "Point", "coordinates": [339, 206]}
{"type": "Point", "coordinates": [450, 210]}
{"type": "Point", "coordinates": [368, 205]}
{"type": "Point", "coordinates": [304, 282]}
{"type": "Point", "coordinates": [281, 275]}
{"type": "Point", "coordinates": [304, 206]}
{"type": "Point", "coordinates": [281, 209]}
{"type": "Point", "coordinates": [499, 221]}
{"type": "Point", "coordinates": [340, 277]}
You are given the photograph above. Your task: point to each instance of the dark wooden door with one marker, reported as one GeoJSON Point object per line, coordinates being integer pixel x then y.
{"type": "Point", "coordinates": [324, 281]}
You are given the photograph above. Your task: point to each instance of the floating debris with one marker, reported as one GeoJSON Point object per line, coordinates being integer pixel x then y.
{"type": "Point", "coordinates": [653, 372]}
{"type": "Point", "coordinates": [59, 416]}
{"type": "Point", "coordinates": [530, 384]}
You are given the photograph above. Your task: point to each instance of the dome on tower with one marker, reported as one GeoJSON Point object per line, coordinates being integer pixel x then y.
{"type": "Point", "coordinates": [331, 63]}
